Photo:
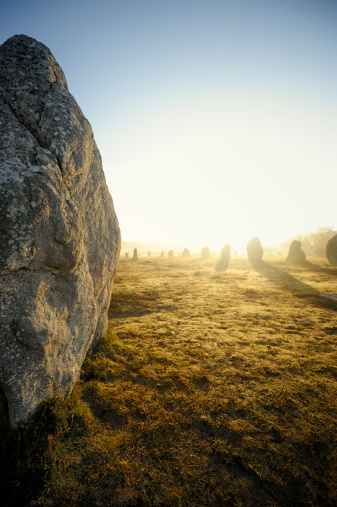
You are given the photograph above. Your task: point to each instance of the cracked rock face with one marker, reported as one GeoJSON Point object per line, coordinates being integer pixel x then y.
{"type": "Point", "coordinates": [59, 235]}
{"type": "Point", "coordinates": [331, 250]}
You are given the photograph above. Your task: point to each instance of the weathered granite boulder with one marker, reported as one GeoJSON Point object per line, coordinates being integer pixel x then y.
{"type": "Point", "coordinates": [254, 250]}
{"type": "Point", "coordinates": [296, 254]}
{"type": "Point", "coordinates": [225, 257]}
{"type": "Point", "coordinates": [331, 250]}
{"type": "Point", "coordinates": [59, 235]}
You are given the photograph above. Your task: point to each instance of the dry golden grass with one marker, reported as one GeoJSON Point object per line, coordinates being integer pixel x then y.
{"type": "Point", "coordinates": [209, 389]}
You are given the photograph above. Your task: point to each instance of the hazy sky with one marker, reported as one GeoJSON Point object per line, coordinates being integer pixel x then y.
{"type": "Point", "coordinates": [216, 120]}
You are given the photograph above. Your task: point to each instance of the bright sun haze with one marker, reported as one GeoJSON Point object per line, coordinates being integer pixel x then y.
{"type": "Point", "coordinates": [216, 120]}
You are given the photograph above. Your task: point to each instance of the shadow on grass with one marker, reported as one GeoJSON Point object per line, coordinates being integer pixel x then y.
{"type": "Point", "coordinates": [284, 280]}
{"type": "Point", "coordinates": [291, 284]}
{"type": "Point", "coordinates": [132, 304]}
{"type": "Point", "coordinates": [24, 465]}
{"type": "Point", "coordinates": [331, 271]}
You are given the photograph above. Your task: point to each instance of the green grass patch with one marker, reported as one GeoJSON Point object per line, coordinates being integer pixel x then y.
{"type": "Point", "coordinates": [209, 389]}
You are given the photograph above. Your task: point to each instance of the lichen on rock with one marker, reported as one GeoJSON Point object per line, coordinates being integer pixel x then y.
{"type": "Point", "coordinates": [59, 233]}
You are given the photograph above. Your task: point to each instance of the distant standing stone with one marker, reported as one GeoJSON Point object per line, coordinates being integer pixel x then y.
{"type": "Point", "coordinates": [135, 254]}
{"type": "Point", "coordinates": [296, 253]}
{"type": "Point", "coordinates": [186, 253]}
{"type": "Point", "coordinates": [254, 250]}
{"type": "Point", "coordinates": [171, 253]}
{"type": "Point", "coordinates": [225, 257]}
{"type": "Point", "coordinates": [205, 253]}
{"type": "Point", "coordinates": [331, 250]}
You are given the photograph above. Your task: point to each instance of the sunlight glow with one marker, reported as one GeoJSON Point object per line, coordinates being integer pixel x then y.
{"type": "Point", "coordinates": [208, 173]}
{"type": "Point", "coordinates": [216, 120]}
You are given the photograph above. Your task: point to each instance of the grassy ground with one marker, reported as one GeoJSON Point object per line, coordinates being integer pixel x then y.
{"type": "Point", "coordinates": [209, 389]}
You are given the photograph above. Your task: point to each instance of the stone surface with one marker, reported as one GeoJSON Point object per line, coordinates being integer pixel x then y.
{"type": "Point", "coordinates": [296, 254]}
{"type": "Point", "coordinates": [186, 253]}
{"type": "Point", "coordinates": [225, 257]}
{"type": "Point", "coordinates": [331, 250]}
{"type": "Point", "coordinates": [59, 234]}
{"type": "Point", "coordinates": [254, 250]}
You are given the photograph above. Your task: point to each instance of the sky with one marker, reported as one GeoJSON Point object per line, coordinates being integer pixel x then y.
{"type": "Point", "coordinates": [216, 120]}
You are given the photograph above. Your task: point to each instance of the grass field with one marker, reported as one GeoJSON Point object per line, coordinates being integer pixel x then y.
{"type": "Point", "coordinates": [209, 389]}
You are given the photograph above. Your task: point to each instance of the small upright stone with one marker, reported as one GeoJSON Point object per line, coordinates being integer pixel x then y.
{"type": "Point", "coordinates": [205, 253]}
{"type": "Point", "coordinates": [170, 253]}
{"type": "Point", "coordinates": [225, 257]}
{"type": "Point", "coordinates": [135, 254]}
{"type": "Point", "coordinates": [296, 254]}
{"type": "Point", "coordinates": [186, 253]}
{"type": "Point", "coordinates": [331, 250]}
{"type": "Point", "coordinates": [254, 250]}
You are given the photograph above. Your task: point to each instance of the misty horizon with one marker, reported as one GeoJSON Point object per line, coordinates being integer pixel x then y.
{"type": "Point", "coordinates": [318, 237]}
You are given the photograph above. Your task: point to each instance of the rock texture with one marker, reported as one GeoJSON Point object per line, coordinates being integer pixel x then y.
{"type": "Point", "coordinates": [254, 250]}
{"type": "Point", "coordinates": [59, 235]}
{"type": "Point", "coordinates": [331, 250]}
{"type": "Point", "coordinates": [296, 254]}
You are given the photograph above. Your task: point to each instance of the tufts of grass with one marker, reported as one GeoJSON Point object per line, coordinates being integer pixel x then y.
{"type": "Point", "coordinates": [209, 389]}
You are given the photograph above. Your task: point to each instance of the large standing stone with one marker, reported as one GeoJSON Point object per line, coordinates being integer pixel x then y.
{"type": "Point", "coordinates": [331, 250]}
{"type": "Point", "coordinates": [296, 254]}
{"type": "Point", "coordinates": [254, 250]}
{"type": "Point", "coordinates": [59, 235]}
